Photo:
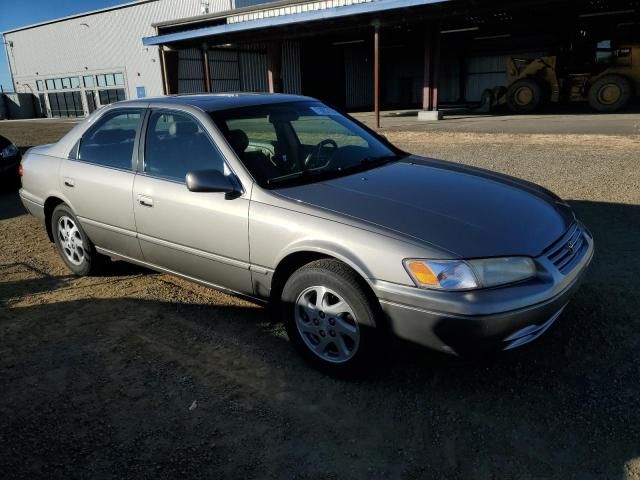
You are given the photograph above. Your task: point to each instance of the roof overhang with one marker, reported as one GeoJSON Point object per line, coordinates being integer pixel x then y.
{"type": "Point", "coordinates": [290, 19]}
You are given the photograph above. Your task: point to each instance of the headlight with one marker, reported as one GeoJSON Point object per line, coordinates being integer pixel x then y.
{"type": "Point", "coordinates": [469, 274]}
{"type": "Point", "coordinates": [9, 151]}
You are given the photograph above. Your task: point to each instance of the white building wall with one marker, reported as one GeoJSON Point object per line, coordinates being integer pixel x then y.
{"type": "Point", "coordinates": [103, 42]}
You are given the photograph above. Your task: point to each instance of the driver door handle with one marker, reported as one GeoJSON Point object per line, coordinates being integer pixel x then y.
{"type": "Point", "coordinates": [145, 201]}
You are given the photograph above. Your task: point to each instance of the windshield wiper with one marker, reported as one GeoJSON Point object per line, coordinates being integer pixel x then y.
{"type": "Point", "coordinates": [294, 176]}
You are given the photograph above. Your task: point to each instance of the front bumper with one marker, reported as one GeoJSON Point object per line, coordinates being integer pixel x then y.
{"type": "Point", "coordinates": [499, 318]}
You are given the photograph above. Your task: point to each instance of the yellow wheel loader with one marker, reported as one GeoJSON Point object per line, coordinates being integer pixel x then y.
{"type": "Point", "coordinates": [608, 84]}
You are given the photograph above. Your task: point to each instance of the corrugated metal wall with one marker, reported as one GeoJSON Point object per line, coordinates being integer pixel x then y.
{"type": "Point", "coordinates": [240, 69]}
{"type": "Point", "coordinates": [291, 70]}
{"type": "Point", "coordinates": [253, 68]}
{"type": "Point", "coordinates": [224, 70]}
{"type": "Point", "coordinates": [243, 69]}
{"type": "Point", "coordinates": [190, 71]}
{"type": "Point", "coordinates": [358, 77]}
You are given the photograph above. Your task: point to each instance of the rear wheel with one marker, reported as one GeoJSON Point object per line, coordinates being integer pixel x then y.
{"type": "Point", "coordinates": [331, 320]}
{"type": "Point", "coordinates": [610, 93]}
{"type": "Point", "coordinates": [524, 96]}
{"type": "Point", "coordinates": [75, 248]}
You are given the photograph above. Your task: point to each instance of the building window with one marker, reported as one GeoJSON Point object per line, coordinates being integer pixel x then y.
{"type": "Point", "coordinates": [102, 82]}
{"type": "Point", "coordinates": [50, 85]}
{"type": "Point", "coordinates": [91, 100]}
{"type": "Point", "coordinates": [66, 83]}
{"type": "Point", "coordinates": [111, 82]}
{"type": "Point", "coordinates": [111, 95]}
{"type": "Point", "coordinates": [88, 81]}
{"type": "Point", "coordinates": [43, 104]}
{"type": "Point", "coordinates": [39, 85]}
{"type": "Point", "coordinates": [58, 83]}
{"type": "Point", "coordinates": [66, 104]}
{"type": "Point", "coordinates": [119, 77]}
{"type": "Point", "coordinates": [75, 82]}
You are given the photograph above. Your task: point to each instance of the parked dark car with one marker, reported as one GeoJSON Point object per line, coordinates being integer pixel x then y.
{"type": "Point", "coordinates": [9, 161]}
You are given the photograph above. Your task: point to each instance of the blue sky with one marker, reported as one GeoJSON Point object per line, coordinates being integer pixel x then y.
{"type": "Point", "coordinates": [17, 13]}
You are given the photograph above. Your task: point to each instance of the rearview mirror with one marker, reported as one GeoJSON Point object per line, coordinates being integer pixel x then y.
{"type": "Point", "coordinates": [210, 181]}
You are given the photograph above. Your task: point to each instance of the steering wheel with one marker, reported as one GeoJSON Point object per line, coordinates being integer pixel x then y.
{"type": "Point", "coordinates": [321, 160]}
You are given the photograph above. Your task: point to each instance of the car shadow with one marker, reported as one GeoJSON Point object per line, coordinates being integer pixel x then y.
{"type": "Point", "coordinates": [123, 374]}
{"type": "Point", "coordinates": [10, 204]}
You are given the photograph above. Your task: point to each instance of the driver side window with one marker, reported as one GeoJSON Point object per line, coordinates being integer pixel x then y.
{"type": "Point", "coordinates": [176, 144]}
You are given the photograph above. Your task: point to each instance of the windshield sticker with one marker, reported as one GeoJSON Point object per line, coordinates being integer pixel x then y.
{"type": "Point", "coordinates": [323, 111]}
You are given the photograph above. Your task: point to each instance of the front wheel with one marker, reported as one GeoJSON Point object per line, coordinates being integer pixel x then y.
{"type": "Point", "coordinates": [75, 248]}
{"type": "Point", "coordinates": [524, 96]}
{"type": "Point", "coordinates": [331, 320]}
{"type": "Point", "coordinates": [610, 93]}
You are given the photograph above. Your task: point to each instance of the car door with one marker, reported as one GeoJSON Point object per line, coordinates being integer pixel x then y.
{"type": "Point", "coordinates": [199, 235]}
{"type": "Point", "coordinates": [98, 181]}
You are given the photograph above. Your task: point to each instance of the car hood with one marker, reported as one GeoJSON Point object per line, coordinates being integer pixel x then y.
{"type": "Point", "coordinates": [466, 211]}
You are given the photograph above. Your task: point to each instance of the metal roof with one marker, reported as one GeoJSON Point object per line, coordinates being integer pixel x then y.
{"type": "Point", "coordinates": [80, 15]}
{"type": "Point", "coordinates": [310, 16]}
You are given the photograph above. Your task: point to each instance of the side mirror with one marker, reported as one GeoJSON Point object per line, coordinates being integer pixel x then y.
{"type": "Point", "coordinates": [210, 181]}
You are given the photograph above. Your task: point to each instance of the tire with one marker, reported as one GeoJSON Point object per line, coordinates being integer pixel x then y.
{"type": "Point", "coordinates": [524, 96]}
{"type": "Point", "coordinates": [342, 339]}
{"type": "Point", "coordinates": [75, 248]}
{"type": "Point", "coordinates": [610, 93]}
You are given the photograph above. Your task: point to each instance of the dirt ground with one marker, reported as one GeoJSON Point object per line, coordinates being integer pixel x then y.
{"type": "Point", "coordinates": [135, 374]}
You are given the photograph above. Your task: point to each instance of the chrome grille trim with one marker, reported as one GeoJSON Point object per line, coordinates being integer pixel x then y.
{"type": "Point", "coordinates": [570, 248]}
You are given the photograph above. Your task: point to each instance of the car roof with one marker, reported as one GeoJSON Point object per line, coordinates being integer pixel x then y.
{"type": "Point", "coordinates": [220, 101]}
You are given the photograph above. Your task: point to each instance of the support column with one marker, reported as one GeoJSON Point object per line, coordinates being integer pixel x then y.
{"type": "Point", "coordinates": [435, 68]}
{"type": "Point", "coordinates": [431, 75]}
{"type": "Point", "coordinates": [376, 73]}
{"type": "Point", "coordinates": [426, 84]}
{"type": "Point", "coordinates": [163, 69]}
{"type": "Point", "coordinates": [205, 65]}
{"type": "Point", "coordinates": [275, 67]}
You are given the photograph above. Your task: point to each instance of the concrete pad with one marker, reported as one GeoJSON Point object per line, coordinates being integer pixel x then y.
{"type": "Point", "coordinates": [429, 116]}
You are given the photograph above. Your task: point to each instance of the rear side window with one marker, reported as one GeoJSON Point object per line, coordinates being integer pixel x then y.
{"type": "Point", "coordinates": [176, 144]}
{"type": "Point", "coordinates": [110, 142]}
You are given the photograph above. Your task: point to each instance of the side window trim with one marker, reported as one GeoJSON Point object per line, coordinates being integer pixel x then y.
{"type": "Point", "coordinates": [143, 145]}
{"type": "Point", "coordinates": [98, 122]}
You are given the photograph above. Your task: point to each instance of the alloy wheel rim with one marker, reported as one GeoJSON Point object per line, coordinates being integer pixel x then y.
{"type": "Point", "coordinates": [327, 324]}
{"type": "Point", "coordinates": [71, 240]}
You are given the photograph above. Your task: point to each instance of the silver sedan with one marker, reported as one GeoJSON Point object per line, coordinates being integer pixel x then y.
{"type": "Point", "coordinates": [281, 199]}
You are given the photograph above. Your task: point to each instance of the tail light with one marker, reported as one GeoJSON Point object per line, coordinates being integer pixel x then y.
{"type": "Point", "coordinates": [20, 169]}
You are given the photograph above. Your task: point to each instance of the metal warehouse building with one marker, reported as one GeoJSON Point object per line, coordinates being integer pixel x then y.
{"type": "Point", "coordinates": [353, 54]}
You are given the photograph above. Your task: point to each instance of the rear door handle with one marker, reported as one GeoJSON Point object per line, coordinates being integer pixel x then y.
{"type": "Point", "coordinates": [70, 182]}
{"type": "Point", "coordinates": [145, 201]}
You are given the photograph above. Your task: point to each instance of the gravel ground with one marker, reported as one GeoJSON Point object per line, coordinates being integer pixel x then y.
{"type": "Point", "coordinates": [135, 374]}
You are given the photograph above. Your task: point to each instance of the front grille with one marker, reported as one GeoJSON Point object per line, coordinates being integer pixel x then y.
{"type": "Point", "coordinates": [569, 249]}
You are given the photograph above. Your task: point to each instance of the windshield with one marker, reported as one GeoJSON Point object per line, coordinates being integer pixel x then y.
{"type": "Point", "coordinates": [300, 142]}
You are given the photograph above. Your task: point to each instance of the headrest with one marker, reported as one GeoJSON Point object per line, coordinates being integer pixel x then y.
{"type": "Point", "coordinates": [110, 136]}
{"type": "Point", "coordinates": [239, 140]}
{"type": "Point", "coordinates": [183, 129]}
